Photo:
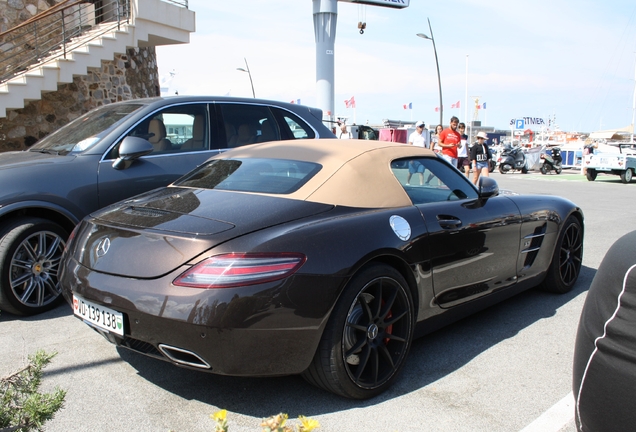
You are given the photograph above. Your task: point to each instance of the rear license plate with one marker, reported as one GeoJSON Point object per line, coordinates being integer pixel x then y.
{"type": "Point", "coordinates": [98, 316]}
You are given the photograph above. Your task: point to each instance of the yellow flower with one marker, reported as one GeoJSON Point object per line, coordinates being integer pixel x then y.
{"type": "Point", "coordinates": [221, 421]}
{"type": "Point", "coordinates": [282, 418]}
{"type": "Point", "coordinates": [308, 424]}
{"type": "Point", "coordinates": [274, 422]}
{"type": "Point", "coordinates": [219, 415]}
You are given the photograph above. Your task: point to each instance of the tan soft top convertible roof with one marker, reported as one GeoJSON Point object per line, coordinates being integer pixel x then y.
{"type": "Point", "coordinates": [355, 173]}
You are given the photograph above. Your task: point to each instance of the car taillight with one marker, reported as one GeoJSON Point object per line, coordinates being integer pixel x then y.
{"type": "Point", "coordinates": [240, 269]}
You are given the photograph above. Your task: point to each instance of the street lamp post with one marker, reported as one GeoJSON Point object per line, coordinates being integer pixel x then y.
{"type": "Point", "coordinates": [250, 75]}
{"type": "Point", "coordinates": [439, 79]}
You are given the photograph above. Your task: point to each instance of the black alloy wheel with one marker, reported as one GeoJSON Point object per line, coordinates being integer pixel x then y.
{"type": "Point", "coordinates": [30, 254]}
{"type": "Point", "coordinates": [566, 262]}
{"type": "Point", "coordinates": [590, 174]}
{"type": "Point", "coordinates": [368, 336]}
{"type": "Point", "coordinates": [543, 169]}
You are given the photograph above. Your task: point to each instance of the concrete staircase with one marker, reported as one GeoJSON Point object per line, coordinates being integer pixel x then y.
{"type": "Point", "coordinates": [153, 23]}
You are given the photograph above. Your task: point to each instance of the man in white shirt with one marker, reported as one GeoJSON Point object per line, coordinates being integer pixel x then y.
{"type": "Point", "coordinates": [344, 133]}
{"type": "Point", "coordinates": [420, 137]}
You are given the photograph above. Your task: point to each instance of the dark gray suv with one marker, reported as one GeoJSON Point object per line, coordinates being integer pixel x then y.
{"type": "Point", "coordinates": [109, 154]}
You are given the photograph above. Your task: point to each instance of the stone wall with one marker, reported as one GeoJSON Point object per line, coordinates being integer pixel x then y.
{"type": "Point", "coordinates": [14, 12]}
{"type": "Point", "coordinates": [128, 76]}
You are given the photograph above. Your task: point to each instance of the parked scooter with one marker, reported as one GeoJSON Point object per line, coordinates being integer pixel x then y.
{"type": "Point", "coordinates": [512, 159]}
{"type": "Point", "coordinates": [551, 161]}
{"type": "Point", "coordinates": [492, 162]}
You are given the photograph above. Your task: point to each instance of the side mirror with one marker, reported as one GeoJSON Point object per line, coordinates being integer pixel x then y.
{"type": "Point", "coordinates": [488, 187]}
{"type": "Point", "coordinates": [131, 148]}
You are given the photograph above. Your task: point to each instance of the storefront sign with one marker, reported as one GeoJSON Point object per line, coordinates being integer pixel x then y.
{"type": "Point", "coordinates": [528, 121]}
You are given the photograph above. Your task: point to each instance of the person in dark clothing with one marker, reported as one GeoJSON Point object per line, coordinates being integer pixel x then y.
{"type": "Point", "coordinates": [604, 367]}
{"type": "Point", "coordinates": [463, 152]}
{"type": "Point", "coordinates": [480, 157]}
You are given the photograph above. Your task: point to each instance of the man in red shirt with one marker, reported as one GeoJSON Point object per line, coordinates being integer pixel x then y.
{"type": "Point", "coordinates": [450, 140]}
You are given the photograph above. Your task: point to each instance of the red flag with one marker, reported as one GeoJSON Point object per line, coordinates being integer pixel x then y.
{"type": "Point", "coordinates": [350, 103]}
{"type": "Point", "coordinates": [455, 105]}
{"type": "Point", "coordinates": [436, 109]}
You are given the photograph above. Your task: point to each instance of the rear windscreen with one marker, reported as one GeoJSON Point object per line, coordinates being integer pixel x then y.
{"type": "Point", "coordinates": [271, 176]}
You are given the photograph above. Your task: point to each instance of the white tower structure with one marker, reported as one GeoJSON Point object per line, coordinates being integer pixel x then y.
{"type": "Point", "coordinates": [325, 19]}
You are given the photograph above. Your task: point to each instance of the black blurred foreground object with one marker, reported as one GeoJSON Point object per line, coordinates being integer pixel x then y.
{"type": "Point", "coordinates": [604, 377]}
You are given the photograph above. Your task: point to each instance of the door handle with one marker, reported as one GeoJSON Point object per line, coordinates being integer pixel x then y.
{"type": "Point", "coordinates": [447, 223]}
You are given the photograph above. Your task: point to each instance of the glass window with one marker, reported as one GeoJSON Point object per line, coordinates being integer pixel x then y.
{"type": "Point", "coordinates": [178, 127]}
{"type": "Point", "coordinates": [272, 176]}
{"type": "Point", "coordinates": [429, 180]}
{"type": "Point", "coordinates": [295, 127]}
{"type": "Point", "coordinates": [83, 132]}
{"type": "Point", "coordinates": [267, 131]}
{"type": "Point", "coordinates": [181, 128]}
{"type": "Point", "coordinates": [248, 124]}
{"type": "Point", "coordinates": [367, 133]}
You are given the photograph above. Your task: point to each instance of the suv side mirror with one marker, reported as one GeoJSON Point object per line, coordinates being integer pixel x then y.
{"type": "Point", "coordinates": [488, 187]}
{"type": "Point", "coordinates": [131, 148]}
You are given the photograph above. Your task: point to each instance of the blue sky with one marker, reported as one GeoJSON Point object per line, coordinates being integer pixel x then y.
{"type": "Point", "coordinates": [573, 61]}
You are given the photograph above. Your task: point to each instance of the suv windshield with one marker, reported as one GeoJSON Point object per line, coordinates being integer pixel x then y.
{"type": "Point", "coordinates": [84, 131]}
{"type": "Point", "coordinates": [271, 176]}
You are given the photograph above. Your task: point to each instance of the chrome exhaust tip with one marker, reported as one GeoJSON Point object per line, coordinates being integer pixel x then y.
{"type": "Point", "coordinates": [183, 357]}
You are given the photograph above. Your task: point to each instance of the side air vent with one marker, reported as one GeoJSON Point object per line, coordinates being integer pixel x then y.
{"type": "Point", "coordinates": [531, 245]}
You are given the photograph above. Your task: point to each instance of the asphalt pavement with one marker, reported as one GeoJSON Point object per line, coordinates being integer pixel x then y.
{"type": "Point", "coordinates": [503, 369]}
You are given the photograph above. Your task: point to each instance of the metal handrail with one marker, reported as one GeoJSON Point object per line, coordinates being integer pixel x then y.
{"type": "Point", "coordinates": [53, 33]}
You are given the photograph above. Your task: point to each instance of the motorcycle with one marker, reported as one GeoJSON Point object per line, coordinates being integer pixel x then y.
{"type": "Point", "coordinates": [492, 162]}
{"type": "Point", "coordinates": [512, 159]}
{"type": "Point", "coordinates": [551, 161]}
